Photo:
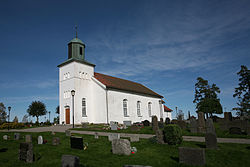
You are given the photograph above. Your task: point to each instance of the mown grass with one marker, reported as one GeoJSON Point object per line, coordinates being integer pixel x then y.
{"type": "Point", "coordinates": [99, 153]}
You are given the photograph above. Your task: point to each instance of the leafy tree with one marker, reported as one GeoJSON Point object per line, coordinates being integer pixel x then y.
{"type": "Point", "coordinates": [242, 92]}
{"type": "Point", "coordinates": [15, 119]}
{"type": "Point", "coordinates": [3, 114]}
{"type": "Point", "coordinates": [57, 110]}
{"type": "Point", "coordinates": [37, 109]}
{"type": "Point", "coordinates": [206, 98]}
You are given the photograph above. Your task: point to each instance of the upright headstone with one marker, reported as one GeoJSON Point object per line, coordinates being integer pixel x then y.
{"type": "Point", "coordinates": [127, 123]}
{"type": "Point", "coordinates": [235, 130]}
{"type": "Point", "coordinates": [161, 125]}
{"type": "Point", "coordinates": [192, 156]}
{"type": "Point", "coordinates": [28, 138]}
{"type": "Point", "coordinates": [193, 125]}
{"type": "Point", "coordinates": [210, 126]}
{"type": "Point", "coordinates": [53, 133]}
{"type": "Point", "coordinates": [26, 152]}
{"type": "Point", "coordinates": [55, 141]}
{"type": "Point", "coordinates": [201, 122]}
{"type": "Point", "coordinates": [161, 120]}
{"type": "Point", "coordinates": [70, 161]}
{"type": "Point", "coordinates": [113, 136]}
{"type": "Point", "coordinates": [167, 121]}
{"type": "Point", "coordinates": [154, 123]}
{"type": "Point", "coordinates": [121, 147]}
{"type": "Point", "coordinates": [134, 138]}
{"type": "Point", "coordinates": [16, 136]}
{"type": "Point", "coordinates": [113, 127]}
{"type": "Point", "coordinates": [96, 136]}
{"type": "Point", "coordinates": [228, 116]}
{"type": "Point", "coordinates": [85, 124]}
{"type": "Point", "coordinates": [159, 136]}
{"type": "Point", "coordinates": [40, 140]}
{"type": "Point", "coordinates": [67, 132]}
{"type": "Point", "coordinates": [5, 137]}
{"type": "Point", "coordinates": [76, 142]}
{"type": "Point", "coordinates": [211, 140]}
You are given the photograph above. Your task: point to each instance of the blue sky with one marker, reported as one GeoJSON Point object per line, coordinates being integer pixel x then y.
{"type": "Point", "coordinates": [164, 45]}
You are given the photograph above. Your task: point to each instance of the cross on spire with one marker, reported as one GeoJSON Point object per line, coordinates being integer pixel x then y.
{"type": "Point", "coordinates": [76, 30]}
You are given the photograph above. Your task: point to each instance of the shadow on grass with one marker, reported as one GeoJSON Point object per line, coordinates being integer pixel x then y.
{"type": "Point", "coordinates": [175, 159]}
{"type": "Point", "coordinates": [248, 147]}
{"type": "Point", "coordinates": [201, 145]}
{"type": "Point", "coordinates": [3, 149]}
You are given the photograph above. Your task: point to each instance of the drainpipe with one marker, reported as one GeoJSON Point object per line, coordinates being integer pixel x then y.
{"type": "Point", "coordinates": [107, 106]}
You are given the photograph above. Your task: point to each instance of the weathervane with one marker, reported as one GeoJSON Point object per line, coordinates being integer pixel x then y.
{"type": "Point", "coordinates": [76, 30]}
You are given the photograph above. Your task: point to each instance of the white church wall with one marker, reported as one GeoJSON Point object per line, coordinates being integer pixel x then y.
{"type": "Point", "coordinates": [115, 105]}
{"type": "Point", "coordinates": [167, 114]}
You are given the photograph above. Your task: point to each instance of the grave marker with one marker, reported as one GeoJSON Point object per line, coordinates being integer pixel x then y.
{"type": "Point", "coordinates": [28, 138]}
{"type": "Point", "coordinates": [26, 152]}
{"type": "Point", "coordinates": [67, 132]}
{"type": "Point", "coordinates": [70, 161]}
{"type": "Point", "coordinates": [55, 141]}
{"type": "Point", "coordinates": [134, 138]}
{"type": "Point", "coordinates": [211, 140]}
{"type": "Point", "coordinates": [5, 137]}
{"type": "Point", "coordinates": [16, 136]}
{"type": "Point", "coordinates": [154, 123]}
{"type": "Point", "coordinates": [127, 123]}
{"type": "Point", "coordinates": [201, 123]}
{"type": "Point", "coordinates": [76, 142]}
{"type": "Point", "coordinates": [113, 136]}
{"type": "Point", "coordinates": [40, 140]}
{"type": "Point", "coordinates": [192, 156]}
{"type": "Point", "coordinates": [121, 147]}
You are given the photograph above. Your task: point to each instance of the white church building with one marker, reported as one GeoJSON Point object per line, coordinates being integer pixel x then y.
{"type": "Point", "coordinates": [100, 98]}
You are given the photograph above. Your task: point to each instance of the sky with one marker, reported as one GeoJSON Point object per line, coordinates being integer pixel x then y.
{"type": "Point", "coordinates": [164, 45]}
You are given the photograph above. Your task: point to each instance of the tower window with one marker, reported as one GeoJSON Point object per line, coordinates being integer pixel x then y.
{"type": "Point", "coordinates": [84, 114]}
{"type": "Point", "coordinates": [80, 50]}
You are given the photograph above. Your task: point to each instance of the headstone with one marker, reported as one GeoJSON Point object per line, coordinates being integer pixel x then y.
{"type": "Point", "coordinates": [96, 136]}
{"type": "Point", "coordinates": [28, 138]}
{"type": "Point", "coordinates": [211, 140]}
{"type": "Point", "coordinates": [134, 128]}
{"type": "Point", "coordinates": [235, 130]}
{"type": "Point", "coordinates": [121, 147]}
{"type": "Point", "coordinates": [192, 156]}
{"type": "Point", "coordinates": [161, 120]}
{"type": "Point", "coordinates": [161, 125]}
{"type": "Point", "coordinates": [182, 124]}
{"type": "Point", "coordinates": [26, 152]}
{"type": "Point", "coordinates": [70, 161]}
{"type": "Point", "coordinates": [127, 123]}
{"type": "Point", "coordinates": [67, 132]}
{"type": "Point", "coordinates": [55, 141]}
{"type": "Point", "coordinates": [193, 126]}
{"type": "Point", "coordinates": [154, 123]}
{"type": "Point", "coordinates": [5, 137]}
{"type": "Point", "coordinates": [85, 124]}
{"type": "Point", "coordinates": [134, 138]}
{"type": "Point", "coordinates": [228, 116]}
{"type": "Point", "coordinates": [16, 136]}
{"type": "Point", "coordinates": [113, 136]}
{"type": "Point", "coordinates": [40, 140]}
{"type": "Point", "coordinates": [159, 136]}
{"type": "Point", "coordinates": [113, 127]}
{"type": "Point", "coordinates": [53, 133]}
{"type": "Point", "coordinates": [167, 121]}
{"type": "Point", "coordinates": [76, 142]}
{"type": "Point", "coordinates": [201, 123]}
{"type": "Point", "coordinates": [146, 123]}
{"type": "Point", "coordinates": [210, 126]}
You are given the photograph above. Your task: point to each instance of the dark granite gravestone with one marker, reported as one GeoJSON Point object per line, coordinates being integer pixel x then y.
{"type": "Point", "coordinates": [192, 156]}
{"type": "Point", "coordinates": [210, 126]}
{"type": "Point", "coordinates": [55, 141]}
{"type": "Point", "coordinates": [154, 123]}
{"type": "Point", "coordinates": [228, 116]}
{"type": "Point", "coordinates": [76, 142]}
{"type": "Point", "coordinates": [28, 138]}
{"type": "Point", "coordinates": [68, 133]}
{"type": "Point", "coordinates": [16, 136]}
{"type": "Point", "coordinates": [121, 147]}
{"type": "Point", "coordinates": [70, 161]}
{"type": "Point", "coordinates": [167, 121]}
{"type": "Point", "coordinates": [159, 136]}
{"type": "Point", "coordinates": [211, 140]}
{"type": "Point", "coordinates": [201, 123]}
{"type": "Point", "coordinates": [193, 126]}
{"type": "Point", "coordinates": [146, 123]}
{"type": "Point", "coordinates": [235, 130]}
{"type": "Point", "coordinates": [26, 152]}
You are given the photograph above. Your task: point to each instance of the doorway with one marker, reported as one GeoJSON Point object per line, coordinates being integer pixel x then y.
{"type": "Point", "coordinates": [67, 111]}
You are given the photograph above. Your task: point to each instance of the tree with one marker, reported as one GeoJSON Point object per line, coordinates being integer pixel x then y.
{"type": "Point", "coordinates": [3, 114]}
{"type": "Point", "coordinates": [57, 110]}
{"type": "Point", "coordinates": [37, 109]}
{"type": "Point", "coordinates": [25, 119]}
{"type": "Point", "coordinates": [206, 98]}
{"type": "Point", "coordinates": [15, 119]}
{"type": "Point", "coordinates": [242, 92]}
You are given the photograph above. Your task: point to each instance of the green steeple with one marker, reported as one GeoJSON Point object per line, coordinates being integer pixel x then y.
{"type": "Point", "coordinates": [76, 49]}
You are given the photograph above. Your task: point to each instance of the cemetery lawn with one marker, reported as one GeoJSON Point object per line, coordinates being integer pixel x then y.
{"type": "Point", "coordinates": [99, 153]}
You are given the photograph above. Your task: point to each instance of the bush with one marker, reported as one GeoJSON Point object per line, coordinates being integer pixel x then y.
{"type": "Point", "coordinates": [173, 134]}
{"type": "Point", "coordinates": [12, 125]}
{"type": "Point", "coordinates": [146, 123]}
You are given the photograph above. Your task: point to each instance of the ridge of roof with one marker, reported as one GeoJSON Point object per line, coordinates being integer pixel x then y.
{"type": "Point", "coordinates": [76, 60]}
{"type": "Point", "coordinates": [166, 109]}
{"type": "Point", "coordinates": [123, 84]}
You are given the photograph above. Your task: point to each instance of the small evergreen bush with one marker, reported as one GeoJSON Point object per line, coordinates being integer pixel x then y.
{"type": "Point", "coordinates": [172, 134]}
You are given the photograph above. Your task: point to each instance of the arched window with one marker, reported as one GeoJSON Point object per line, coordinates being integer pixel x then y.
{"type": "Point", "coordinates": [149, 109]}
{"type": "Point", "coordinates": [84, 108]}
{"type": "Point", "coordinates": [125, 107]}
{"type": "Point", "coordinates": [138, 108]}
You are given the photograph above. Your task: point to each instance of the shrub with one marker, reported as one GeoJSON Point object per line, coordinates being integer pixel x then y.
{"type": "Point", "coordinates": [12, 125]}
{"type": "Point", "coordinates": [173, 134]}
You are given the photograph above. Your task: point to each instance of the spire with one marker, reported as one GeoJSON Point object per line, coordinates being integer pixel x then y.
{"type": "Point", "coordinates": [76, 30]}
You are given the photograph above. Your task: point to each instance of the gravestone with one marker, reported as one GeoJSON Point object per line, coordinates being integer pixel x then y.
{"type": "Point", "coordinates": [85, 124]}
{"type": "Point", "coordinates": [159, 136]}
{"type": "Point", "coordinates": [127, 123]}
{"type": "Point", "coordinates": [210, 126]}
{"type": "Point", "coordinates": [40, 140]}
{"type": "Point", "coordinates": [113, 136]}
{"type": "Point", "coordinates": [55, 141]}
{"type": "Point", "coordinates": [235, 130]}
{"type": "Point", "coordinates": [5, 137]}
{"type": "Point", "coordinates": [167, 121]}
{"type": "Point", "coordinates": [76, 142]}
{"type": "Point", "coordinates": [70, 161]}
{"type": "Point", "coordinates": [161, 120]}
{"type": "Point", "coordinates": [201, 123]}
{"type": "Point", "coordinates": [16, 136]}
{"type": "Point", "coordinates": [161, 125]}
{"type": "Point", "coordinates": [96, 136]}
{"type": "Point", "coordinates": [113, 126]}
{"type": "Point", "coordinates": [67, 132]}
{"type": "Point", "coordinates": [211, 140]}
{"type": "Point", "coordinates": [228, 116]}
{"type": "Point", "coordinates": [53, 133]}
{"type": "Point", "coordinates": [146, 123]}
{"type": "Point", "coordinates": [26, 152]}
{"type": "Point", "coordinates": [154, 123]}
{"type": "Point", "coordinates": [121, 147]}
{"type": "Point", "coordinates": [28, 138]}
{"type": "Point", "coordinates": [182, 124]}
{"type": "Point", "coordinates": [192, 156]}
{"type": "Point", "coordinates": [193, 126]}
{"type": "Point", "coordinates": [134, 138]}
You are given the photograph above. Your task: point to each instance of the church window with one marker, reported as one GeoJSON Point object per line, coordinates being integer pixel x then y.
{"type": "Point", "coordinates": [125, 107]}
{"type": "Point", "coordinates": [84, 114]}
{"type": "Point", "coordinates": [80, 74]}
{"type": "Point", "coordinates": [68, 75]}
{"type": "Point", "coordinates": [80, 50]}
{"type": "Point", "coordinates": [149, 109]}
{"type": "Point", "coordinates": [138, 108]}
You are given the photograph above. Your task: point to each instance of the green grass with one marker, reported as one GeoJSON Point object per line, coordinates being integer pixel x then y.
{"type": "Point", "coordinates": [99, 153]}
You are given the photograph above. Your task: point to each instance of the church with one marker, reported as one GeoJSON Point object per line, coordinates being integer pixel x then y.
{"type": "Point", "coordinates": [88, 96]}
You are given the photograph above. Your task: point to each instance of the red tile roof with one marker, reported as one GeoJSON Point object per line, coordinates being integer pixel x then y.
{"type": "Point", "coordinates": [126, 85]}
{"type": "Point", "coordinates": [166, 109]}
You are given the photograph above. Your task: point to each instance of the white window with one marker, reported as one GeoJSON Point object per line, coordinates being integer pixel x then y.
{"type": "Point", "coordinates": [149, 109]}
{"type": "Point", "coordinates": [125, 107]}
{"type": "Point", "coordinates": [80, 74]}
{"type": "Point", "coordinates": [84, 114]}
{"type": "Point", "coordinates": [68, 75]}
{"type": "Point", "coordinates": [138, 108]}
{"type": "Point", "coordinates": [64, 76]}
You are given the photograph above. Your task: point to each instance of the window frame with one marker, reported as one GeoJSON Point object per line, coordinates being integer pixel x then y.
{"type": "Point", "coordinates": [84, 107]}
{"type": "Point", "coordinates": [125, 107]}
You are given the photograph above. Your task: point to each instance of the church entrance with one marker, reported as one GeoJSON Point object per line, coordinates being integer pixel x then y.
{"type": "Point", "coordinates": [67, 114]}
